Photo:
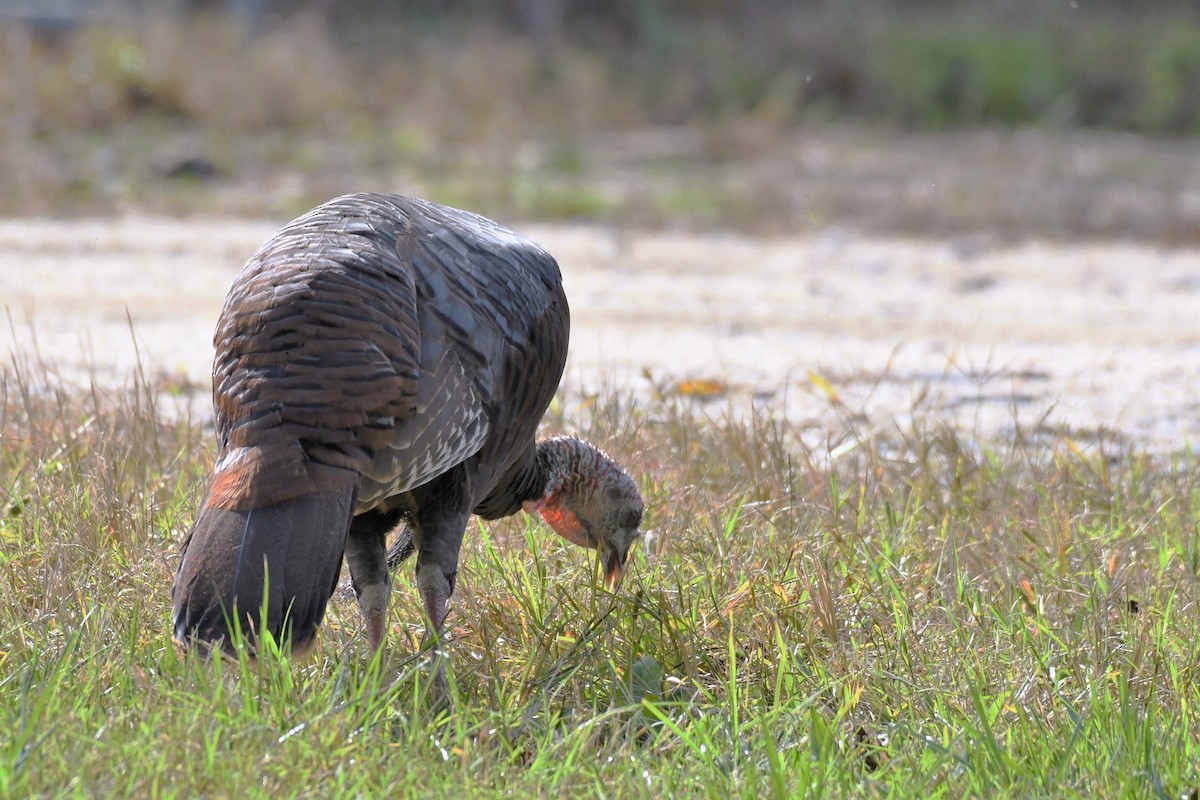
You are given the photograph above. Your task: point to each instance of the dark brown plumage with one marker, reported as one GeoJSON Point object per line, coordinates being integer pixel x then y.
{"type": "Point", "coordinates": [383, 359]}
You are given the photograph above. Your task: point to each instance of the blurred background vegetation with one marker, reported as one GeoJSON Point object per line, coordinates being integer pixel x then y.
{"type": "Point", "coordinates": [1018, 116]}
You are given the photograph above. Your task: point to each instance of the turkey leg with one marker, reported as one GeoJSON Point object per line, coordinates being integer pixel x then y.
{"type": "Point", "coordinates": [439, 534]}
{"type": "Point", "coordinates": [366, 555]}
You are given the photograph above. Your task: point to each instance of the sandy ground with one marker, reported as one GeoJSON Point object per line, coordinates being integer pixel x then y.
{"type": "Point", "coordinates": [1090, 337]}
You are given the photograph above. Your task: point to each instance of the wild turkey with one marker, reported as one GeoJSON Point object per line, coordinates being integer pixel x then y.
{"type": "Point", "coordinates": [381, 359]}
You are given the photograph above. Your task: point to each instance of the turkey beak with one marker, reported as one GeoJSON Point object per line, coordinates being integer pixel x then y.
{"type": "Point", "coordinates": [614, 568]}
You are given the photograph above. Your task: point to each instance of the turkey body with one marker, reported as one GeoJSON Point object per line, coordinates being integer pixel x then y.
{"type": "Point", "coordinates": [381, 358]}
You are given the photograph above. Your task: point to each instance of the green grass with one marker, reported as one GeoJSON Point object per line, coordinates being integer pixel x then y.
{"type": "Point", "coordinates": [908, 613]}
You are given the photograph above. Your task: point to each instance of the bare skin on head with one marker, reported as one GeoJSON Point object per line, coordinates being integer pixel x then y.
{"type": "Point", "coordinates": [590, 501]}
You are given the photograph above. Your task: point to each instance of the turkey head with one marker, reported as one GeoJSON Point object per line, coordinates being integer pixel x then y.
{"type": "Point", "coordinates": [589, 500]}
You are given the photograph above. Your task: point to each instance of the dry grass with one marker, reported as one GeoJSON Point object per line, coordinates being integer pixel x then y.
{"type": "Point", "coordinates": [906, 612]}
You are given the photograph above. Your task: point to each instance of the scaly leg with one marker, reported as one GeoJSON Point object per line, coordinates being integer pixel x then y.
{"type": "Point", "coordinates": [435, 593]}
{"type": "Point", "coordinates": [439, 527]}
{"type": "Point", "coordinates": [366, 555]}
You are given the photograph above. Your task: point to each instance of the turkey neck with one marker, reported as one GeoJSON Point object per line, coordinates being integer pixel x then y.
{"type": "Point", "coordinates": [567, 464]}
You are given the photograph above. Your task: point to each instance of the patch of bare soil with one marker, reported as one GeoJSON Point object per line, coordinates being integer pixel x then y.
{"type": "Point", "coordinates": [1101, 339]}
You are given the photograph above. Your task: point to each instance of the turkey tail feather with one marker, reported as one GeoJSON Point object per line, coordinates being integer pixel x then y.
{"type": "Point", "coordinates": [290, 550]}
